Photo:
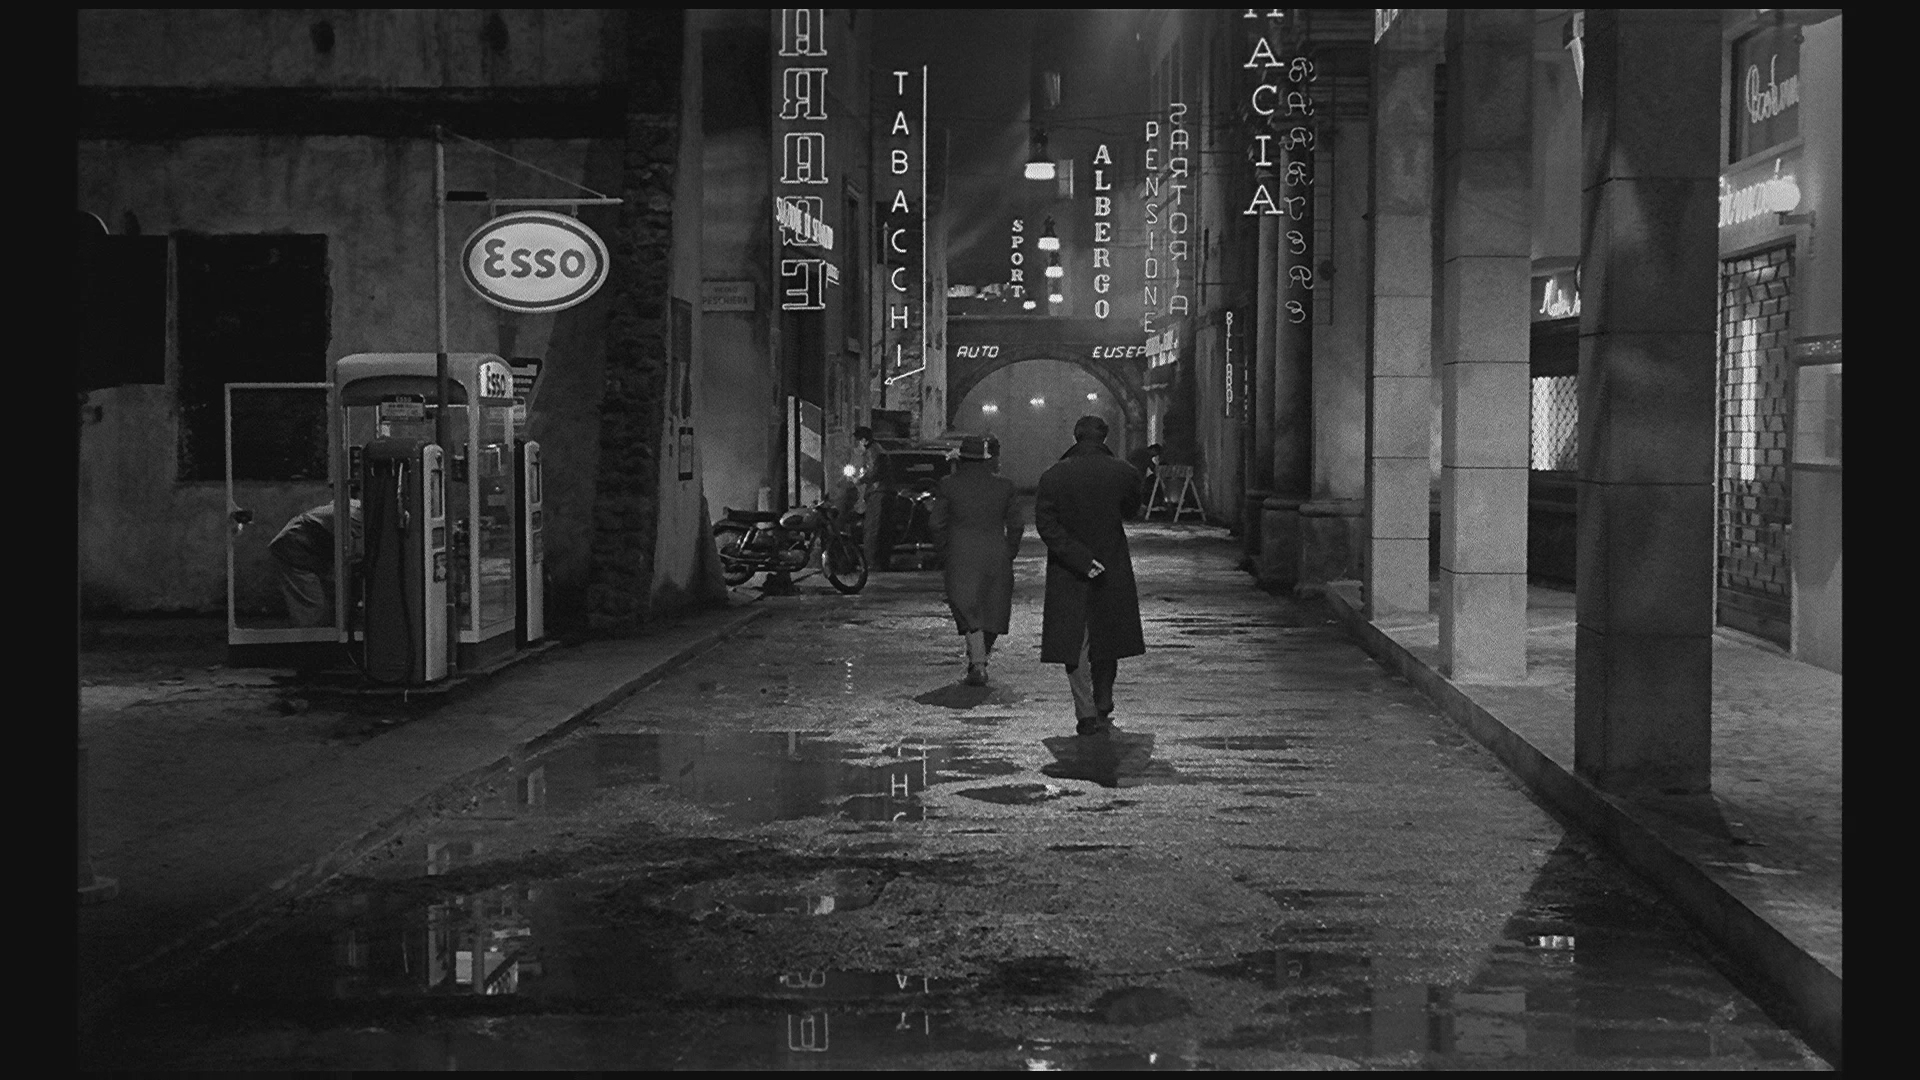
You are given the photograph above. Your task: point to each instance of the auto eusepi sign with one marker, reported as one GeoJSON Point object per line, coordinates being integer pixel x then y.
{"type": "Point", "coordinates": [534, 261]}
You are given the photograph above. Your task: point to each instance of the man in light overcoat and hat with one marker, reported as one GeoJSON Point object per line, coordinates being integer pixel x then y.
{"type": "Point", "coordinates": [977, 527]}
{"type": "Point", "coordinates": [1092, 618]}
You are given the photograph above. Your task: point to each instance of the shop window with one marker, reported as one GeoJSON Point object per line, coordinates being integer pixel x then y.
{"type": "Point", "coordinates": [122, 311]}
{"type": "Point", "coordinates": [251, 308]}
{"type": "Point", "coordinates": [1556, 424]}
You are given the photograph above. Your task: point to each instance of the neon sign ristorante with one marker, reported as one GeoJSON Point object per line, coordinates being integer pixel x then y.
{"type": "Point", "coordinates": [800, 214]}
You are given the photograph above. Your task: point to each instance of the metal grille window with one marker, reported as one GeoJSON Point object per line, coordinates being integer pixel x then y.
{"type": "Point", "coordinates": [1556, 422]}
{"type": "Point", "coordinates": [1756, 403]}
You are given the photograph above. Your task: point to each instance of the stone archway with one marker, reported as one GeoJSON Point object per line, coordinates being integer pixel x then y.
{"type": "Point", "coordinates": [979, 346]}
{"type": "Point", "coordinates": [1030, 406]}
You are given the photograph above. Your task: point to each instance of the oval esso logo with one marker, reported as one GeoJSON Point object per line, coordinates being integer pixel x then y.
{"type": "Point", "coordinates": [534, 261]}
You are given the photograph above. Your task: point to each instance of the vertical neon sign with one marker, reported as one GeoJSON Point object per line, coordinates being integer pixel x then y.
{"type": "Point", "coordinates": [904, 228]}
{"type": "Point", "coordinates": [799, 215]}
{"type": "Point", "coordinates": [1102, 232]}
{"type": "Point", "coordinates": [1286, 158]}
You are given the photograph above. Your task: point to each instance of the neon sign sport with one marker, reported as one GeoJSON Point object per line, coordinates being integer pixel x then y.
{"type": "Point", "coordinates": [534, 261]}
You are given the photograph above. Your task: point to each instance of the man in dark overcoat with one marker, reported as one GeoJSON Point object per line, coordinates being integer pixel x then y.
{"type": "Point", "coordinates": [1092, 618]}
{"type": "Point", "coordinates": [977, 527]}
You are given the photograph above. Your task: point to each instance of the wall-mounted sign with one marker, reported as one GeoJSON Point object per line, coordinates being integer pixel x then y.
{"type": "Point", "coordinates": [726, 296]}
{"type": "Point", "coordinates": [1102, 232]}
{"type": "Point", "coordinates": [534, 261]}
{"type": "Point", "coordinates": [1017, 260]}
{"type": "Point", "coordinates": [1766, 90]}
{"type": "Point", "coordinates": [903, 192]}
{"type": "Point", "coordinates": [496, 380]}
{"type": "Point", "coordinates": [1166, 280]}
{"type": "Point", "coordinates": [1383, 20]}
{"type": "Point", "coordinates": [1556, 295]}
{"type": "Point", "coordinates": [801, 73]}
{"type": "Point", "coordinates": [1752, 200]}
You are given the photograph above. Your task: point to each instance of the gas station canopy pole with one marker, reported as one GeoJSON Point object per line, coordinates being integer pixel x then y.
{"type": "Point", "coordinates": [441, 427]}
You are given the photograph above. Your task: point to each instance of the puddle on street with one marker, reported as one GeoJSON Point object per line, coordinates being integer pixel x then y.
{"type": "Point", "coordinates": [747, 777]}
{"type": "Point", "coordinates": [1289, 741]}
{"type": "Point", "coordinates": [452, 968]}
{"type": "Point", "coordinates": [1017, 794]}
{"type": "Point", "coordinates": [1115, 759]}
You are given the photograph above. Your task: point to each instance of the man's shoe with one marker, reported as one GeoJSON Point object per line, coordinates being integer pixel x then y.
{"type": "Point", "coordinates": [1094, 725]}
{"type": "Point", "coordinates": [976, 675]}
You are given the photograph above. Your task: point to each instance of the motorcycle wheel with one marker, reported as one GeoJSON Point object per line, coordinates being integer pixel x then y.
{"type": "Point", "coordinates": [845, 565]}
{"type": "Point", "coordinates": [734, 569]}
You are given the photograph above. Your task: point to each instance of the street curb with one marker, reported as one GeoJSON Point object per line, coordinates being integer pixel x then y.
{"type": "Point", "coordinates": [224, 929]}
{"type": "Point", "coordinates": [1805, 986]}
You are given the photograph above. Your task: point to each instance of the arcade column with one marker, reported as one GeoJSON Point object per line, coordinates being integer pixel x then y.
{"type": "Point", "coordinates": [1643, 661]}
{"type": "Point", "coordinates": [1400, 360]}
{"type": "Point", "coordinates": [1486, 253]}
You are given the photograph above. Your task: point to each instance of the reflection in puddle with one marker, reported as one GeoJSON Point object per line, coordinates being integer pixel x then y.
{"type": "Point", "coordinates": [1018, 794]}
{"type": "Point", "coordinates": [1118, 759]}
{"type": "Point", "coordinates": [748, 777]}
{"type": "Point", "coordinates": [1244, 742]}
{"type": "Point", "coordinates": [961, 696]}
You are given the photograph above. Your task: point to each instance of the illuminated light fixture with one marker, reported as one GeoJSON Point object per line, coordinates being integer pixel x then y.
{"type": "Point", "coordinates": [1037, 402]}
{"type": "Point", "coordinates": [1048, 240]}
{"type": "Point", "coordinates": [1039, 165]}
{"type": "Point", "coordinates": [1056, 298]}
{"type": "Point", "coordinates": [1054, 269]}
{"type": "Point", "coordinates": [989, 407]}
{"type": "Point", "coordinates": [1093, 397]}
{"type": "Point", "coordinates": [1029, 305]}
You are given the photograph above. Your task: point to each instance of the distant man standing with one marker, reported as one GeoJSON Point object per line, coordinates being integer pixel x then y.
{"type": "Point", "coordinates": [1092, 618]}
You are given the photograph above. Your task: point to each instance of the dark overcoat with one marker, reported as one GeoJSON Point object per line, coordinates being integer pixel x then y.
{"type": "Point", "coordinates": [977, 526]}
{"type": "Point", "coordinates": [1082, 501]}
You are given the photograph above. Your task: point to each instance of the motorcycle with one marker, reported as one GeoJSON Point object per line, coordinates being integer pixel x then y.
{"type": "Point", "coordinates": [753, 541]}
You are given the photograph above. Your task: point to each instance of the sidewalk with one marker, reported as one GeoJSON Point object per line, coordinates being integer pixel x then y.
{"type": "Point", "coordinates": [193, 768]}
{"type": "Point", "coordinates": [1756, 863]}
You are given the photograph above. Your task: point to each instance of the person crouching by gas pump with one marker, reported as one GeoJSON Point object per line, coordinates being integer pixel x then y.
{"type": "Point", "coordinates": [303, 551]}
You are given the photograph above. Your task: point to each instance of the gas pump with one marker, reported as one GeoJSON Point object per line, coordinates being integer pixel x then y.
{"type": "Point", "coordinates": [530, 547]}
{"type": "Point", "coordinates": [404, 570]}
{"type": "Point", "coordinates": [481, 520]}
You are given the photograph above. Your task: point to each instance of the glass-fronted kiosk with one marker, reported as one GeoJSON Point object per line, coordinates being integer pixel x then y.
{"type": "Point", "coordinates": [441, 567]}
{"type": "Point", "coordinates": [387, 407]}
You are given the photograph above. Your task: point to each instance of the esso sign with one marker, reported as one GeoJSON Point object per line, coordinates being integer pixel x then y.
{"type": "Point", "coordinates": [534, 261]}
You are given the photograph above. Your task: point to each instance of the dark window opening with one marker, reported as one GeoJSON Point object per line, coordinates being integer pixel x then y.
{"type": "Point", "coordinates": [122, 311]}
{"type": "Point", "coordinates": [251, 309]}
{"type": "Point", "coordinates": [734, 65]}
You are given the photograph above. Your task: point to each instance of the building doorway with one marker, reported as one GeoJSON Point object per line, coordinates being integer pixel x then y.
{"type": "Point", "coordinates": [1754, 505]}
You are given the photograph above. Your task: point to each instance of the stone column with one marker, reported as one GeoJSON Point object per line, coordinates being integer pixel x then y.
{"type": "Point", "coordinates": [1643, 661]}
{"type": "Point", "coordinates": [1486, 269]}
{"type": "Point", "coordinates": [626, 509]}
{"type": "Point", "coordinates": [1333, 533]}
{"type": "Point", "coordinates": [1260, 476]}
{"type": "Point", "coordinates": [1280, 523]}
{"type": "Point", "coordinates": [1400, 367]}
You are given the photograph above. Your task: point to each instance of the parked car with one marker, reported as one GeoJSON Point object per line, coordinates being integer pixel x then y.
{"type": "Point", "coordinates": [908, 471]}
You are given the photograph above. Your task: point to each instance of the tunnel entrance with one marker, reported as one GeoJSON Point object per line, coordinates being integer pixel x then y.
{"type": "Point", "coordinates": [1031, 406]}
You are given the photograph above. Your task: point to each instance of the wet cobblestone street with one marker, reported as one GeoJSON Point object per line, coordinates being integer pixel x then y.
{"type": "Point", "coordinates": [813, 847]}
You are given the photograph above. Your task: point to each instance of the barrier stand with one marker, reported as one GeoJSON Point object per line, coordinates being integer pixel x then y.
{"type": "Point", "coordinates": [1168, 478]}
